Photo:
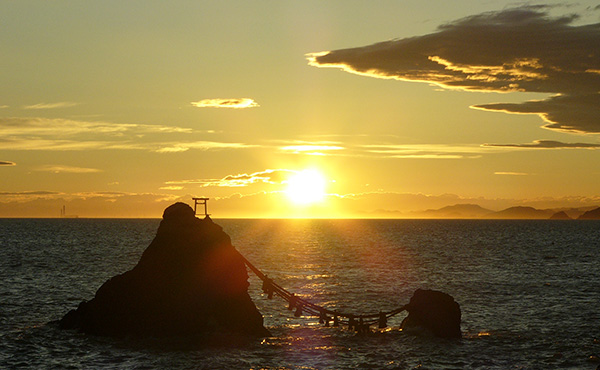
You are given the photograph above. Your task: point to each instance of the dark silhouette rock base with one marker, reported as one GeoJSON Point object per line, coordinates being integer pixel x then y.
{"type": "Point", "coordinates": [434, 311]}
{"type": "Point", "coordinates": [189, 281]}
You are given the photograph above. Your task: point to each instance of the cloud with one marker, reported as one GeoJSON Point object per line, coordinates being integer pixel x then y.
{"type": "Point", "coordinates": [171, 188]}
{"type": "Point", "coordinates": [7, 163]}
{"type": "Point", "coordinates": [511, 173]}
{"type": "Point", "coordinates": [70, 135]}
{"type": "Point", "coordinates": [311, 149]}
{"type": "Point", "coordinates": [383, 150]}
{"type": "Point", "coordinates": [519, 49]}
{"type": "Point", "coordinates": [201, 145]}
{"type": "Point", "coordinates": [424, 151]}
{"type": "Point", "coordinates": [569, 113]}
{"type": "Point", "coordinates": [7, 195]}
{"type": "Point", "coordinates": [269, 176]}
{"type": "Point", "coordinates": [226, 103]}
{"type": "Point", "coordinates": [65, 104]}
{"type": "Point", "coordinates": [547, 144]}
{"type": "Point", "coordinates": [40, 127]}
{"type": "Point", "coordinates": [67, 169]}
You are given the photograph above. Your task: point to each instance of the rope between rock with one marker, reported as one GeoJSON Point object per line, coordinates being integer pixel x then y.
{"type": "Point", "coordinates": [357, 322]}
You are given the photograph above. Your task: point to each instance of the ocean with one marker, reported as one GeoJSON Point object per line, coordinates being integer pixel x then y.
{"type": "Point", "coordinates": [529, 292]}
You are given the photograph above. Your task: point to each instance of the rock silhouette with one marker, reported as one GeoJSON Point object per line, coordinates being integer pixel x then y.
{"type": "Point", "coordinates": [434, 311]}
{"type": "Point", "coordinates": [189, 281]}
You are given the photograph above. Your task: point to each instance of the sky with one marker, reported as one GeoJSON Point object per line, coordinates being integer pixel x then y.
{"type": "Point", "coordinates": [297, 108]}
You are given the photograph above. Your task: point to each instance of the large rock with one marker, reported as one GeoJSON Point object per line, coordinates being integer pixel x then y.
{"type": "Point", "coordinates": [434, 311]}
{"type": "Point", "coordinates": [189, 281]}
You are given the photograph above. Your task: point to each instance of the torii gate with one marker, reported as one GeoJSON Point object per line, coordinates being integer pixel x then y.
{"type": "Point", "coordinates": [201, 201]}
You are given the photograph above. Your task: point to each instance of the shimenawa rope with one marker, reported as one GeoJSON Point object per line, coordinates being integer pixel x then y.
{"type": "Point", "coordinates": [300, 306]}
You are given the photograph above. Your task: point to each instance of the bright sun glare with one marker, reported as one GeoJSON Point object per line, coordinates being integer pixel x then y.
{"type": "Point", "coordinates": [306, 187]}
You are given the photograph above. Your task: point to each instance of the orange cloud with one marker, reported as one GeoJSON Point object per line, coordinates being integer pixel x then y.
{"type": "Point", "coordinates": [201, 145]}
{"type": "Point", "coordinates": [269, 176]}
{"type": "Point", "coordinates": [55, 134]}
{"type": "Point", "coordinates": [511, 173]}
{"type": "Point", "coordinates": [65, 104]}
{"type": "Point", "coordinates": [311, 149]}
{"type": "Point", "coordinates": [67, 169]}
{"type": "Point", "coordinates": [424, 151]}
{"type": "Point", "coordinates": [226, 103]}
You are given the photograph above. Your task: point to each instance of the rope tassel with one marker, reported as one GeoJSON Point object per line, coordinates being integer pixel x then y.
{"type": "Point", "coordinates": [382, 320]}
{"type": "Point", "coordinates": [267, 287]}
{"type": "Point", "coordinates": [298, 312]}
{"type": "Point", "coordinates": [292, 302]}
{"type": "Point", "coordinates": [323, 317]}
{"type": "Point", "coordinates": [351, 322]}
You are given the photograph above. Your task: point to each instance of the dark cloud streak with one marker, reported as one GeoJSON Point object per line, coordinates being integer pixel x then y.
{"type": "Point", "coordinates": [519, 49]}
{"type": "Point", "coordinates": [547, 144]}
{"type": "Point", "coordinates": [576, 113]}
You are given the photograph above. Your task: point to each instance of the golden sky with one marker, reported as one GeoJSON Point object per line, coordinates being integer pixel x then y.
{"type": "Point", "coordinates": [297, 109]}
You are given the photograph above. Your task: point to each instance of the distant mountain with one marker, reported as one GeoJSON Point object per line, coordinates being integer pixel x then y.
{"type": "Point", "coordinates": [384, 213]}
{"type": "Point", "coordinates": [594, 214]}
{"type": "Point", "coordinates": [562, 215]}
{"type": "Point", "coordinates": [521, 212]}
{"type": "Point", "coordinates": [573, 213]}
{"type": "Point", "coordinates": [475, 211]}
{"type": "Point", "coordinates": [457, 211]}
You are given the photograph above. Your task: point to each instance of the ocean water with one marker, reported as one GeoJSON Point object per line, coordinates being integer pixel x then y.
{"type": "Point", "coordinates": [529, 292]}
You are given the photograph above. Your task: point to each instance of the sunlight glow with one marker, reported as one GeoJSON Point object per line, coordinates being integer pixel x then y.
{"type": "Point", "coordinates": [306, 187]}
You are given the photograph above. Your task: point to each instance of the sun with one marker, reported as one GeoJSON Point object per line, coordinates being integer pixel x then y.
{"type": "Point", "coordinates": [306, 187]}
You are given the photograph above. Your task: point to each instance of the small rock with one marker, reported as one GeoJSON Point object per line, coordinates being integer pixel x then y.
{"type": "Point", "coordinates": [434, 311]}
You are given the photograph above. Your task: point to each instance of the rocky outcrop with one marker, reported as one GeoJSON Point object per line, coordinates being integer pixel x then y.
{"type": "Point", "coordinates": [189, 281]}
{"type": "Point", "coordinates": [435, 312]}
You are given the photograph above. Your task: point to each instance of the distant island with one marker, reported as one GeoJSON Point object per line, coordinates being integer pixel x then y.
{"type": "Point", "coordinates": [474, 211]}
{"type": "Point", "coordinates": [593, 214]}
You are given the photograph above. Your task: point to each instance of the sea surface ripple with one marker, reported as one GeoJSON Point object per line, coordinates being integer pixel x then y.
{"type": "Point", "coordinates": [529, 292]}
